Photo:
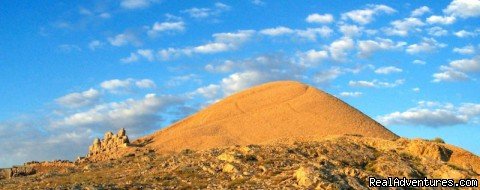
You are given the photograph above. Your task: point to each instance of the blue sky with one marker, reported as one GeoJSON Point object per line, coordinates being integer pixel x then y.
{"type": "Point", "coordinates": [71, 71]}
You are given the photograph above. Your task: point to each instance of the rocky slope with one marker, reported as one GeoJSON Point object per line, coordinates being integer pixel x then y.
{"type": "Point", "coordinates": [341, 162]}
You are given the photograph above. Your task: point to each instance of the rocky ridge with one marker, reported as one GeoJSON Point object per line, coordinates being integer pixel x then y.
{"type": "Point", "coordinates": [339, 162]}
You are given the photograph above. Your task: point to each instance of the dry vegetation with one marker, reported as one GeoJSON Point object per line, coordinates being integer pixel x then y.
{"type": "Point", "coordinates": [343, 162]}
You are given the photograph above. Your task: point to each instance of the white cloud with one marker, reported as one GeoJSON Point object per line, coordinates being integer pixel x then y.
{"type": "Point", "coordinates": [211, 91]}
{"type": "Point", "coordinates": [258, 70]}
{"type": "Point", "coordinates": [350, 30]}
{"type": "Point", "coordinates": [427, 45]}
{"type": "Point", "coordinates": [79, 99]}
{"type": "Point", "coordinates": [351, 94]}
{"type": "Point", "coordinates": [242, 80]}
{"type": "Point", "coordinates": [312, 57]}
{"type": "Point", "coordinates": [365, 16]}
{"type": "Point", "coordinates": [339, 48]}
{"type": "Point", "coordinates": [449, 74]}
{"type": "Point", "coordinates": [367, 47]}
{"type": "Point", "coordinates": [312, 33]}
{"type": "Point", "coordinates": [466, 65]}
{"type": "Point", "coordinates": [213, 47]}
{"type": "Point", "coordinates": [464, 34]}
{"type": "Point", "coordinates": [309, 33]}
{"type": "Point", "coordinates": [277, 31]}
{"type": "Point", "coordinates": [93, 45]}
{"type": "Point", "coordinates": [433, 114]}
{"type": "Point", "coordinates": [376, 84]}
{"type": "Point", "coordinates": [465, 50]}
{"type": "Point", "coordinates": [403, 27]}
{"type": "Point", "coordinates": [420, 11]}
{"type": "Point", "coordinates": [135, 115]}
{"type": "Point", "coordinates": [437, 31]}
{"type": "Point", "coordinates": [419, 62]}
{"type": "Point", "coordinates": [123, 39]}
{"type": "Point", "coordinates": [130, 59]}
{"type": "Point", "coordinates": [463, 8]}
{"type": "Point", "coordinates": [147, 54]}
{"type": "Point", "coordinates": [416, 89]}
{"type": "Point", "coordinates": [181, 79]}
{"type": "Point", "coordinates": [222, 42]}
{"type": "Point", "coordinates": [327, 76]}
{"type": "Point", "coordinates": [126, 85]}
{"type": "Point", "coordinates": [388, 70]}
{"type": "Point", "coordinates": [158, 27]}
{"type": "Point", "coordinates": [145, 83]}
{"type": "Point", "coordinates": [318, 18]}
{"type": "Point", "coordinates": [136, 4]}
{"type": "Point", "coordinates": [226, 66]}
{"type": "Point", "coordinates": [445, 20]}
{"type": "Point", "coordinates": [202, 13]}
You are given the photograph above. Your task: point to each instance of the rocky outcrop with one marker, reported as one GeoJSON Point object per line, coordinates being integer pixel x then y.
{"type": "Point", "coordinates": [54, 163]}
{"type": "Point", "coordinates": [17, 172]}
{"type": "Point", "coordinates": [110, 143]}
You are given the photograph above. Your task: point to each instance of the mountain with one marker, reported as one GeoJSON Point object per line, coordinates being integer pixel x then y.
{"type": "Point", "coordinates": [279, 135]}
{"type": "Point", "coordinates": [269, 112]}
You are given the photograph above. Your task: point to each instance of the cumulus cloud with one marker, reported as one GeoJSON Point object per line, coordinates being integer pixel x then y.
{"type": "Point", "coordinates": [277, 31]}
{"type": "Point", "coordinates": [365, 16]}
{"type": "Point", "coordinates": [339, 49]}
{"type": "Point", "coordinates": [123, 39]}
{"type": "Point", "coordinates": [211, 91]}
{"type": "Point", "coordinates": [420, 11]}
{"type": "Point", "coordinates": [312, 57]}
{"type": "Point", "coordinates": [224, 67]}
{"type": "Point", "coordinates": [463, 8]}
{"type": "Point", "coordinates": [221, 42]}
{"type": "Point", "coordinates": [79, 99]}
{"type": "Point", "coordinates": [318, 18]}
{"type": "Point", "coordinates": [351, 94]}
{"type": "Point", "coordinates": [251, 72]}
{"type": "Point", "coordinates": [159, 27]}
{"type": "Point", "coordinates": [419, 62]}
{"type": "Point", "coordinates": [465, 50]}
{"type": "Point", "coordinates": [368, 47]}
{"type": "Point", "coordinates": [202, 13]}
{"type": "Point", "coordinates": [433, 114]}
{"type": "Point", "coordinates": [445, 20]}
{"type": "Point", "coordinates": [126, 85]}
{"type": "Point", "coordinates": [376, 84]}
{"type": "Point", "coordinates": [388, 70]}
{"type": "Point", "coordinates": [350, 30]}
{"type": "Point", "coordinates": [136, 115]}
{"type": "Point", "coordinates": [464, 34]}
{"type": "Point", "coordinates": [467, 65]}
{"type": "Point", "coordinates": [403, 27]}
{"type": "Point", "coordinates": [427, 45]}
{"type": "Point", "coordinates": [449, 74]}
{"type": "Point", "coordinates": [437, 31]}
{"type": "Point", "coordinates": [326, 76]}
{"type": "Point", "coordinates": [310, 33]}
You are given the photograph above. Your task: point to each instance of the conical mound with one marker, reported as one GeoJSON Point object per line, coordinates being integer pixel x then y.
{"type": "Point", "coordinates": [266, 113]}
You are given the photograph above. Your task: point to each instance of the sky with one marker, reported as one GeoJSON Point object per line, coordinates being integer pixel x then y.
{"type": "Point", "coordinates": [72, 70]}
